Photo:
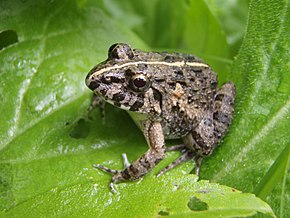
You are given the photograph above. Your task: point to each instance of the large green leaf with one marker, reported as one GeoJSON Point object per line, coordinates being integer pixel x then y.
{"type": "Point", "coordinates": [233, 18]}
{"type": "Point", "coordinates": [257, 148]}
{"type": "Point", "coordinates": [48, 146]}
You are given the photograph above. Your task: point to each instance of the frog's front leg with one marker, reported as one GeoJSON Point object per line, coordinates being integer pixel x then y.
{"type": "Point", "coordinates": [140, 167]}
{"type": "Point", "coordinates": [224, 109]}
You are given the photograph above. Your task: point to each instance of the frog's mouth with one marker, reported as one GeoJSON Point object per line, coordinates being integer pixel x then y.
{"type": "Point", "coordinates": [116, 104]}
{"type": "Point", "coordinates": [130, 103]}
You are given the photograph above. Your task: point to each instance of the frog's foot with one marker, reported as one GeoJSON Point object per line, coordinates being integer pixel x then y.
{"type": "Point", "coordinates": [118, 175]}
{"type": "Point", "coordinates": [186, 156]}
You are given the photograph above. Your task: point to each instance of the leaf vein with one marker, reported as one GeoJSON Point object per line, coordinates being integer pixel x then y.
{"type": "Point", "coordinates": [280, 115]}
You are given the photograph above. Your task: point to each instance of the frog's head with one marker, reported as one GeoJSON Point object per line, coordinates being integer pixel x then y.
{"type": "Point", "coordinates": [122, 81]}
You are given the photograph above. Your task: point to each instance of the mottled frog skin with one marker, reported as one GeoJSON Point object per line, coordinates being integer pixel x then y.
{"type": "Point", "coordinates": [169, 96]}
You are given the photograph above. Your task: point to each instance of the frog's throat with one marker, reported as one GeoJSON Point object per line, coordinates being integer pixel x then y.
{"type": "Point", "coordinates": [138, 118]}
{"type": "Point", "coordinates": [140, 114]}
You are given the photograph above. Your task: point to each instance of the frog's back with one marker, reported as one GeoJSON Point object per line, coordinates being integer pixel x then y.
{"type": "Point", "coordinates": [164, 56]}
{"type": "Point", "coordinates": [184, 86]}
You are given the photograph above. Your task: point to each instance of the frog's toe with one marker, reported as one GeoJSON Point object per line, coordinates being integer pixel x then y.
{"type": "Point", "coordinates": [125, 160]}
{"type": "Point", "coordinates": [117, 176]}
{"type": "Point", "coordinates": [105, 169]}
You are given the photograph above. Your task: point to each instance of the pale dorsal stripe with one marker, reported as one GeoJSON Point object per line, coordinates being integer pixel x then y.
{"type": "Point", "coordinates": [176, 64]}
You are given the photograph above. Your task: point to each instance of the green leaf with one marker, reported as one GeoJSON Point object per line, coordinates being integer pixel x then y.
{"type": "Point", "coordinates": [257, 147]}
{"type": "Point", "coordinates": [48, 146]}
{"type": "Point", "coordinates": [201, 200]}
{"type": "Point", "coordinates": [232, 16]}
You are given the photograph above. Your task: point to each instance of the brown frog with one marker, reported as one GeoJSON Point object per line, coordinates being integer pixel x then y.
{"type": "Point", "coordinates": [169, 96]}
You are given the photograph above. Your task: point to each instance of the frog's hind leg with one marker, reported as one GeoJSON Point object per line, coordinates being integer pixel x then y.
{"type": "Point", "coordinates": [213, 126]}
{"type": "Point", "coordinates": [223, 109]}
{"type": "Point", "coordinates": [186, 156]}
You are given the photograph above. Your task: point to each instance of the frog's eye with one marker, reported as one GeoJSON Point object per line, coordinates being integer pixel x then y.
{"type": "Point", "coordinates": [120, 51]}
{"type": "Point", "coordinates": [139, 83]}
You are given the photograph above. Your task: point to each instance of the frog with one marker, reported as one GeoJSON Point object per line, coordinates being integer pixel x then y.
{"type": "Point", "coordinates": [169, 96]}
